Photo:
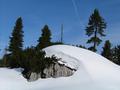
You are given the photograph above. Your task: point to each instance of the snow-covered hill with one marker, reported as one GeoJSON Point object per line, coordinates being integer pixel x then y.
{"type": "Point", "coordinates": [95, 65]}
{"type": "Point", "coordinates": [94, 72]}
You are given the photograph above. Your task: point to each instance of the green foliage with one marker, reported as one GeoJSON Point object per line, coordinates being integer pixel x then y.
{"type": "Point", "coordinates": [96, 26]}
{"type": "Point", "coordinates": [1, 63]}
{"type": "Point", "coordinates": [45, 39]}
{"type": "Point", "coordinates": [57, 43]}
{"type": "Point", "coordinates": [81, 46]}
{"type": "Point", "coordinates": [92, 48]}
{"type": "Point", "coordinates": [35, 61]}
{"type": "Point", "coordinates": [116, 54]}
{"type": "Point", "coordinates": [16, 40]}
{"type": "Point", "coordinates": [94, 39]}
{"type": "Point", "coordinates": [16, 44]}
{"type": "Point", "coordinates": [107, 52]}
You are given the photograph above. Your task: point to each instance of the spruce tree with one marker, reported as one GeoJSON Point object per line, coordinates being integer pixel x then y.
{"type": "Point", "coordinates": [45, 39]}
{"type": "Point", "coordinates": [107, 52]}
{"type": "Point", "coordinates": [16, 43]}
{"type": "Point", "coordinates": [94, 29]}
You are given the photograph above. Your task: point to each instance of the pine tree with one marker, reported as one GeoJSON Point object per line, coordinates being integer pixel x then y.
{"type": "Point", "coordinates": [45, 39]}
{"type": "Point", "coordinates": [95, 28]}
{"type": "Point", "coordinates": [107, 52]}
{"type": "Point", "coordinates": [16, 42]}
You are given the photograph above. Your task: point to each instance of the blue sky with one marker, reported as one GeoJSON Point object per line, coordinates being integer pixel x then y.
{"type": "Point", "coordinates": [73, 14]}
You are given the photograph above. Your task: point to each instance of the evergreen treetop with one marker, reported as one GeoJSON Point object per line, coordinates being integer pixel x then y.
{"type": "Point", "coordinates": [45, 39]}
{"type": "Point", "coordinates": [94, 29]}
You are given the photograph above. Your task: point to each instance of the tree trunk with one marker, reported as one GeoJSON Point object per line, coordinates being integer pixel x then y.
{"type": "Point", "coordinates": [94, 47]}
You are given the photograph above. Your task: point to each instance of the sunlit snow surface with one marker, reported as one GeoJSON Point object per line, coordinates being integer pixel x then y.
{"type": "Point", "coordinates": [93, 73]}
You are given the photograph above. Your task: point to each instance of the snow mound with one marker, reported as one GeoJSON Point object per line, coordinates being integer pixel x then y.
{"type": "Point", "coordinates": [95, 65]}
{"type": "Point", "coordinates": [94, 72]}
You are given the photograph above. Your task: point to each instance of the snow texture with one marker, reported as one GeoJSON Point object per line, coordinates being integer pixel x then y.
{"type": "Point", "coordinates": [94, 72]}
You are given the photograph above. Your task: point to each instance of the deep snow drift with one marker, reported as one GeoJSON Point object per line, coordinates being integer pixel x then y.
{"type": "Point", "coordinates": [94, 72]}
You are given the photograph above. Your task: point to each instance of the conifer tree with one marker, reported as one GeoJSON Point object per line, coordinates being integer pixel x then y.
{"type": "Point", "coordinates": [107, 52]}
{"type": "Point", "coordinates": [45, 39]}
{"type": "Point", "coordinates": [95, 28]}
{"type": "Point", "coordinates": [16, 42]}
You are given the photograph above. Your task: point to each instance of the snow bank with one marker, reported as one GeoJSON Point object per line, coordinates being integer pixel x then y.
{"type": "Point", "coordinates": [95, 65]}
{"type": "Point", "coordinates": [93, 73]}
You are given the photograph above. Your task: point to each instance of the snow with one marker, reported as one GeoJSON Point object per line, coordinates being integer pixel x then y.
{"type": "Point", "coordinates": [94, 72]}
